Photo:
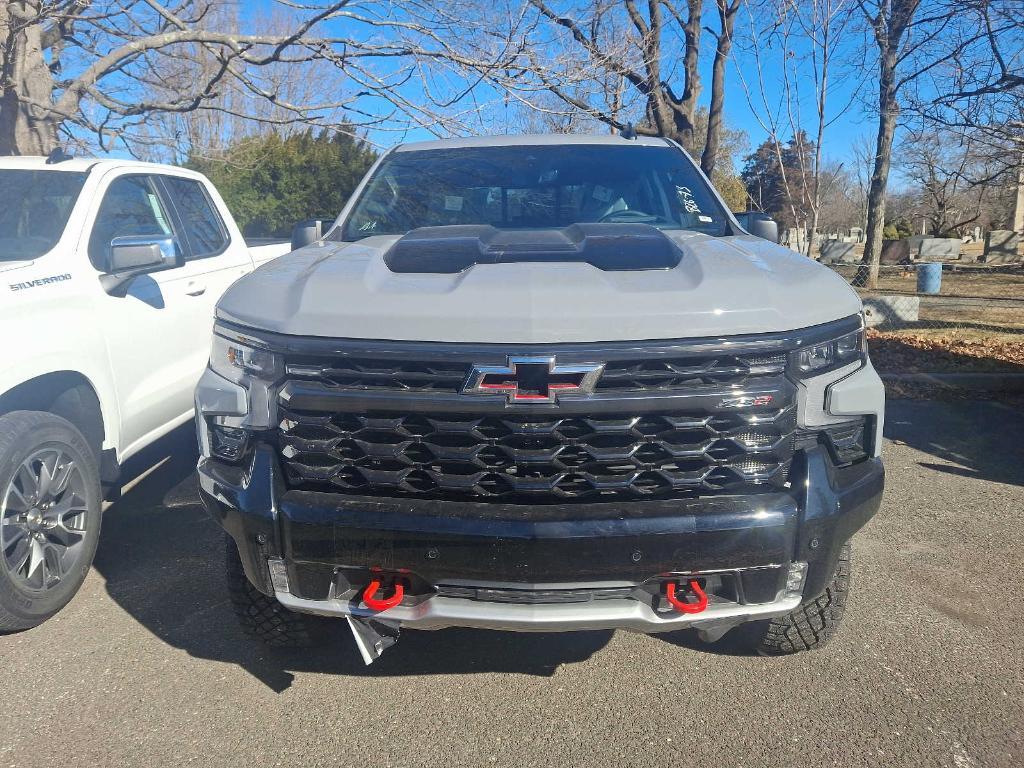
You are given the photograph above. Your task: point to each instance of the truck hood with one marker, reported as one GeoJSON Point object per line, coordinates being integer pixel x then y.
{"type": "Point", "coordinates": [722, 286]}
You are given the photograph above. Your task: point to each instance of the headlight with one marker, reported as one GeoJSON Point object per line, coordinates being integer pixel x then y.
{"type": "Point", "coordinates": [830, 355]}
{"type": "Point", "coordinates": [224, 433]}
{"type": "Point", "coordinates": [240, 359]}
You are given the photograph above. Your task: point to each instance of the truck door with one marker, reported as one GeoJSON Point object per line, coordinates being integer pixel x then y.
{"type": "Point", "coordinates": [147, 331]}
{"type": "Point", "coordinates": [216, 258]}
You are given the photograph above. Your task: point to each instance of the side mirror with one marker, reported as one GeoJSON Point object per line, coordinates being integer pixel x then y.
{"type": "Point", "coordinates": [759, 225]}
{"type": "Point", "coordinates": [134, 255]}
{"type": "Point", "coordinates": [307, 232]}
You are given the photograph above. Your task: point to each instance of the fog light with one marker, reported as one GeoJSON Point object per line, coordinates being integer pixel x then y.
{"type": "Point", "coordinates": [795, 579]}
{"type": "Point", "coordinates": [278, 574]}
{"type": "Point", "coordinates": [227, 443]}
{"type": "Point", "coordinates": [847, 442]}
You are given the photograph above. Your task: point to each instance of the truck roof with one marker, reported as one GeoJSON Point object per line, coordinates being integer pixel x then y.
{"type": "Point", "coordinates": [78, 164]}
{"type": "Point", "coordinates": [538, 139]}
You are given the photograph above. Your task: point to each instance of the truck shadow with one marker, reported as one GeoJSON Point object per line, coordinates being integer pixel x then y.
{"type": "Point", "coordinates": [970, 438]}
{"type": "Point", "coordinates": [162, 559]}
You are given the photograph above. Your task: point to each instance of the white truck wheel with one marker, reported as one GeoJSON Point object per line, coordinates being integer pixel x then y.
{"type": "Point", "coordinates": [49, 516]}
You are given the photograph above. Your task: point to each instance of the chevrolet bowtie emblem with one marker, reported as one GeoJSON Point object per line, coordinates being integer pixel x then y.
{"type": "Point", "coordinates": [533, 379]}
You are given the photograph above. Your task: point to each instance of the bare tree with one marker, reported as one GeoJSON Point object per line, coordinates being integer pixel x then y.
{"type": "Point", "coordinates": [808, 36]}
{"type": "Point", "coordinates": [622, 40]}
{"type": "Point", "coordinates": [841, 202]}
{"type": "Point", "coordinates": [863, 149]}
{"type": "Point", "coordinates": [943, 166]}
{"type": "Point", "coordinates": [73, 68]}
{"type": "Point", "coordinates": [910, 43]}
{"type": "Point", "coordinates": [768, 113]}
{"type": "Point", "coordinates": [936, 165]}
{"type": "Point", "coordinates": [613, 61]}
{"type": "Point", "coordinates": [978, 92]}
{"type": "Point", "coordinates": [890, 20]}
{"type": "Point", "coordinates": [727, 10]}
{"type": "Point", "coordinates": [824, 24]}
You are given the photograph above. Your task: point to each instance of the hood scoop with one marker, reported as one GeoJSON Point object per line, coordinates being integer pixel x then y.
{"type": "Point", "coordinates": [609, 247]}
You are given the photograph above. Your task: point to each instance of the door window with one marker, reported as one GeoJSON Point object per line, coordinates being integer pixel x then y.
{"type": "Point", "coordinates": [206, 233]}
{"type": "Point", "coordinates": [131, 206]}
{"type": "Point", "coordinates": [37, 206]}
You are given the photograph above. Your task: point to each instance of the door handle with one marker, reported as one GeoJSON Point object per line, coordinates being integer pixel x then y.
{"type": "Point", "coordinates": [195, 289]}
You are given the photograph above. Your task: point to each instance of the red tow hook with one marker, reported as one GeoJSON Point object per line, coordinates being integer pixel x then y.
{"type": "Point", "coordinates": [377, 604]}
{"type": "Point", "coordinates": [679, 605]}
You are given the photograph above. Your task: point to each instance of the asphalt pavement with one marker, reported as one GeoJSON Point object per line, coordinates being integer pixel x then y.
{"type": "Point", "coordinates": [147, 668]}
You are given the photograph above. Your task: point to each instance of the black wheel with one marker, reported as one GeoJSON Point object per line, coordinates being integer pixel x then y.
{"type": "Point", "coordinates": [811, 625]}
{"type": "Point", "coordinates": [263, 617]}
{"type": "Point", "coordinates": [49, 516]}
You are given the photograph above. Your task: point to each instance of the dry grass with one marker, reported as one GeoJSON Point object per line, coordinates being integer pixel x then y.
{"type": "Point", "coordinates": [972, 296]}
{"type": "Point", "coordinates": [945, 351]}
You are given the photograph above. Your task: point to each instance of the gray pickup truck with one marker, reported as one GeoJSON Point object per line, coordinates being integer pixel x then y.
{"type": "Point", "coordinates": [541, 383]}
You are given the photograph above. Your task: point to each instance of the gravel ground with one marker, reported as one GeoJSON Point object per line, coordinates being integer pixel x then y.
{"type": "Point", "coordinates": [146, 666]}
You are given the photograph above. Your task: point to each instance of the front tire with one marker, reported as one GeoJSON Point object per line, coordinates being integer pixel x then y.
{"type": "Point", "coordinates": [809, 626]}
{"type": "Point", "coordinates": [50, 511]}
{"type": "Point", "coordinates": [262, 617]}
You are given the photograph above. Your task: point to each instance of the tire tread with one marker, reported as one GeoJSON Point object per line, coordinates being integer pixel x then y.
{"type": "Point", "coordinates": [263, 617]}
{"type": "Point", "coordinates": [815, 621]}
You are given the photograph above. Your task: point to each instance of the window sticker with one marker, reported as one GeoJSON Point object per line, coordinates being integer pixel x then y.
{"type": "Point", "coordinates": [601, 194]}
{"type": "Point", "coordinates": [452, 203]}
{"type": "Point", "coordinates": [705, 219]}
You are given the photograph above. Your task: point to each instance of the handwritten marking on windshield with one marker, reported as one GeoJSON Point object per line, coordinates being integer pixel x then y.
{"type": "Point", "coordinates": [686, 198]}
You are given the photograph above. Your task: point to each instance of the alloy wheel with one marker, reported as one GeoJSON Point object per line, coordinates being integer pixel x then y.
{"type": "Point", "coordinates": [43, 518]}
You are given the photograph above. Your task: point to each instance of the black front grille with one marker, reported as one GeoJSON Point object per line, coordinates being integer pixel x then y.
{"type": "Point", "coordinates": [630, 374]}
{"type": "Point", "coordinates": [663, 374]}
{"type": "Point", "coordinates": [537, 458]}
{"type": "Point", "coordinates": [370, 373]}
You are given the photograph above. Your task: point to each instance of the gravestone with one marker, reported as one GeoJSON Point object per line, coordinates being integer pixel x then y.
{"type": "Point", "coordinates": [857, 234]}
{"type": "Point", "coordinates": [939, 249]}
{"type": "Point", "coordinates": [895, 252]}
{"type": "Point", "coordinates": [1002, 246]}
{"type": "Point", "coordinates": [836, 251]}
{"type": "Point", "coordinates": [914, 246]}
{"type": "Point", "coordinates": [891, 311]}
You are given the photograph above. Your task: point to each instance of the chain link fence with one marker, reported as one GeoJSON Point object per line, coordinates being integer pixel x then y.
{"type": "Point", "coordinates": [968, 295]}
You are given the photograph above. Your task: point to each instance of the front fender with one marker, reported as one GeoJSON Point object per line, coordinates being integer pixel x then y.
{"type": "Point", "coordinates": [58, 334]}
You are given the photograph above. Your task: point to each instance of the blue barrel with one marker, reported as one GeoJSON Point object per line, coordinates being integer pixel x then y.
{"type": "Point", "coordinates": [929, 277]}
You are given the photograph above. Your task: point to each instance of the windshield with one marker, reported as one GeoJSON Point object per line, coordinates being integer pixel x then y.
{"type": "Point", "coordinates": [535, 187]}
{"type": "Point", "coordinates": [36, 208]}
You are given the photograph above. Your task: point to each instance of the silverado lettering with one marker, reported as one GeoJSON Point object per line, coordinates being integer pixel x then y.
{"type": "Point", "coordinates": [39, 282]}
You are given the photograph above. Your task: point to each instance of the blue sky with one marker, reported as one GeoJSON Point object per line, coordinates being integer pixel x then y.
{"type": "Point", "coordinates": [849, 101]}
{"type": "Point", "coordinates": [849, 86]}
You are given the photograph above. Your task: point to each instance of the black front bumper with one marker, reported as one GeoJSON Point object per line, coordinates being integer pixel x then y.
{"type": "Point", "coordinates": [321, 535]}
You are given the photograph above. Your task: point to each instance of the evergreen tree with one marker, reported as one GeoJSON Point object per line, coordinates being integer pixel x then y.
{"type": "Point", "coordinates": [783, 196]}
{"type": "Point", "coordinates": [270, 183]}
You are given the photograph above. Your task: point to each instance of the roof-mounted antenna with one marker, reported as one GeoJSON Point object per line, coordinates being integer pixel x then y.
{"type": "Point", "coordinates": [628, 132]}
{"type": "Point", "coordinates": [57, 156]}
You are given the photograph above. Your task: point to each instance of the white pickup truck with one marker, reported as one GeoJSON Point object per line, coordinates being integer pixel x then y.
{"type": "Point", "coordinates": [109, 274]}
